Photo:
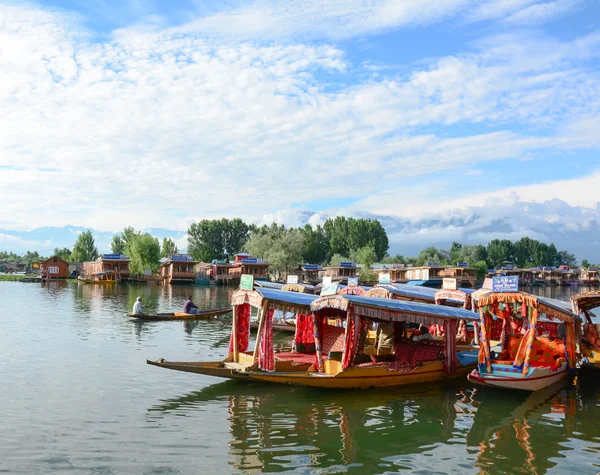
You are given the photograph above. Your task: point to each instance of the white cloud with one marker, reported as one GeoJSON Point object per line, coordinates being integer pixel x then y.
{"type": "Point", "coordinates": [159, 127]}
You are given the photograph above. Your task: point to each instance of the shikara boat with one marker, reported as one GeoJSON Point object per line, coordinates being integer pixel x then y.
{"type": "Point", "coordinates": [583, 304]}
{"type": "Point", "coordinates": [104, 278]}
{"type": "Point", "coordinates": [535, 350]}
{"type": "Point", "coordinates": [203, 315]}
{"type": "Point", "coordinates": [278, 327]}
{"type": "Point", "coordinates": [335, 357]}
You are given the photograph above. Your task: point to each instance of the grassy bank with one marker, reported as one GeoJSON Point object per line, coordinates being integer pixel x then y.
{"type": "Point", "coordinates": [16, 277]}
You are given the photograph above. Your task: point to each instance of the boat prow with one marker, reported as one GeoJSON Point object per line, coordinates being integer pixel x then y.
{"type": "Point", "coordinates": [502, 377]}
{"type": "Point", "coordinates": [203, 315]}
{"type": "Point", "coordinates": [210, 368]}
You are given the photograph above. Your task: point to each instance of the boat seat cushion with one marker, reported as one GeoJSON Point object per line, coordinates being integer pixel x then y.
{"type": "Point", "coordinates": [546, 352]}
{"type": "Point", "coordinates": [296, 358]}
{"type": "Point", "coordinates": [333, 339]}
{"type": "Point", "coordinates": [591, 334]}
{"type": "Point", "coordinates": [428, 351]}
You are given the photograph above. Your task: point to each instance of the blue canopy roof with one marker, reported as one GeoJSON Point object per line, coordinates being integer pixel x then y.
{"type": "Point", "coordinates": [381, 308]}
{"type": "Point", "coordinates": [285, 297]}
{"type": "Point", "coordinates": [268, 285]}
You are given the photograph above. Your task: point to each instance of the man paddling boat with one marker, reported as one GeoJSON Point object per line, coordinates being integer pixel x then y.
{"type": "Point", "coordinates": [137, 307]}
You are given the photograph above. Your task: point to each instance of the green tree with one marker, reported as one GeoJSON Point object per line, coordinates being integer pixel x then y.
{"type": "Point", "coordinates": [65, 254]}
{"type": "Point", "coordinates": [336, 231]}
{"type": "Point", "coordinates": [85, 248]}
{"type": "Point", "coordinates": [280, 247]}
{"type": "Point", "coordinates": [456, 253]}
{"type": "Point", "coordinates": [30, 257]}
{"type": "Point", "coordinates": [216, 238]}
{"type": "Point", "coordinates": [481, 271]}
{"type": "Point", "coordinates": [315, 245]}
{"type": "Point", "coordinates": [566, 258]}
{"type": "Point", "coordinates": [337, 258]}
{"type": "Point", "coordinates": [585, 263]}
{"type": "Point", "coordinates": [117, 245]}
{"type": "Point", "coordinates": [144, 254]}
{"type": "Point", "coordinates": [498, 251]}
{"type": "Point", "coordinates": [127, 237]}
{"type": "Point", "coordinates": [366, 255]}
{"type": "Point", "coordinates": [432, 254]}
{"type": "Point", "coordinates": [397, 259]}
{"type": "Point", "coordinates": [168, 247]}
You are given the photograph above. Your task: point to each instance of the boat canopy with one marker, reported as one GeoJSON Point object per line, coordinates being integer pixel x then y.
{"type": "Point", "coordinates": [284, 300]}
{"type": "Point", "coordinates": [585, 302]}
{"type": "Point", "coordinates": [268, 285]}
{"type": "Point", "coordinates": [552, 308]}
{"type": "Point", "coordinates": [392, 310]}
{"type": "Point", "coordinates": [459, 295]}
{"type": "Point", "coordinates": [476, 295]}
{"type": "Point", "coordinates": [409, 292]}
{"type": "Point", "coordinates": [301, 288]}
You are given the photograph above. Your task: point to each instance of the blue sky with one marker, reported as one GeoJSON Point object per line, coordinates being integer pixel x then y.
{"type": "Point", "coordinates": [423, 113]}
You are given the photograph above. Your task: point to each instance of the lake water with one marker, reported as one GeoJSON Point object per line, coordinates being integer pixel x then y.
{"type": "Point", "coordinates": [78, 397]}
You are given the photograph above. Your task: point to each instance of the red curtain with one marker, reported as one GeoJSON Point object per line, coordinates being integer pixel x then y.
{"type": "Point", "coordinates": [266, 353]}
{"type": "Point", "coordinates": [243, 328]}
{"type": "Point", "coordinates": [305, 330]}
{"type": "Point", "coordinates": [355, 327]}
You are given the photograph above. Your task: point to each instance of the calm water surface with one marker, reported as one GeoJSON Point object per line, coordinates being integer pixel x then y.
{"type": "Point", "coordinates": [78, 397]}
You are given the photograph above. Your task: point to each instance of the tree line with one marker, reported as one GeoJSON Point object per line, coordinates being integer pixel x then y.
{"type": "Point", "coordinates": [363, 241]}
{"type": "Point", "coordinates": [286, 248]}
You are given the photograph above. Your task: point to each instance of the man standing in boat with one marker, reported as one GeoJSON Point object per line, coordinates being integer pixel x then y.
{"type": "Point", "coordinates": [190, 307]}
{"type": "Point", "coordinates": [137, 307]}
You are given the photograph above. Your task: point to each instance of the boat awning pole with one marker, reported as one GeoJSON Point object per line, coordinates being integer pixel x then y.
{"type": "Point", "coordinates": [262, 314]}
{"type": "Point", "coordinates": [234, 333]}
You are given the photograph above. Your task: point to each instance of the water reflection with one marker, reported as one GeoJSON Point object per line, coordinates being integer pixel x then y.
{"type": "Point", "coordinates": [281, 428]}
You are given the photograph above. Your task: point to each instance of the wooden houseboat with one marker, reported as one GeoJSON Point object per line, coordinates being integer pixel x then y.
{"type": "Point", "coordinates": [589, 276]}
{"type": "Point", "coordinates": [331, 356]}
{"type": "Point", "coordinates": [54, 268]}
{"type": "Point", "coordinates": [247, 265]}
{"type": "Point", "coordinates": [341, 273]}
{"type": "Point", "coordinates": [312, 273]}
{"type": "Point", "coordinates": [117, 264]}
{"type": "Point", "coordinates": [533, 352]}
{"type": "Point", "coordinates": [178, 269]}
{"type": "Point", "coordinates": [397, 272]}
{"type": "Point", "coordinates": [583, 304]}
{"type": "Point", "coordinates": [104, 278]}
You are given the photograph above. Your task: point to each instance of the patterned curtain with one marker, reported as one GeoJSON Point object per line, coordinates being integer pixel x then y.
{"type": "Point", "coordinates": [450, 346]}
{"type": "Point", "coordinates": [352, 339]}
{"type": "Point", "coordinates": [304, 338]}
{"type": "Point", "coordinates": [266, 353]}
{"type": "Point", "coordinates": [530, 338]}
{"type": "Point", "coordinates": [484, 359]}
{"type": "Point", "coordinates": [243, 328]}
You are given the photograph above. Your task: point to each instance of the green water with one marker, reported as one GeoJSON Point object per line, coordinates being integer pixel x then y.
{"type": "Point", "coordinates": [78, 397]}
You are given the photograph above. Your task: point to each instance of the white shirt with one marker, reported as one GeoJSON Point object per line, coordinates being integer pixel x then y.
{"type": "Point", "coordinates": [137, 308]}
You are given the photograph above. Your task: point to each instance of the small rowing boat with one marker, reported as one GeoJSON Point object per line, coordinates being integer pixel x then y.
{"type": "Point", "coordinates": [203, 315]}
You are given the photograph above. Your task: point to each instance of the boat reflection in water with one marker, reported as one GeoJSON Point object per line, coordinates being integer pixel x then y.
{"type": "Point", "coordinates": [430, 428]}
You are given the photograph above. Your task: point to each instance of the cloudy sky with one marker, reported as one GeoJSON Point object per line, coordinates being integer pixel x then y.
{"type": "Point", "coordinates": [449, 120]}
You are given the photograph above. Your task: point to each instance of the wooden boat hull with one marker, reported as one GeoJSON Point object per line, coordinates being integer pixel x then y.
{"type": "Point", "coordinates": [204, 315]}
{"type": "Point", "coordinates": [353, 378]}
{"type": "Point", "coordinates": [537, 378]}
{"type": "Point", "coordinates": [209, 368]}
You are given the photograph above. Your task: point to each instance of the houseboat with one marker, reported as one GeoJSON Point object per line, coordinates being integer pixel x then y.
{"type": "Point", "coordinates": [589, 276]}
{"type": "Point", "coordinates": [116, 264]}
{"type": "Point", "coordinates": [178, 269]}
{"type": "Point", "coordinates": [332, 356]}
{"type": "Point", "coordinates": [397, 272]}
{"type": "Point", "coordinates": [583, 304]}
{"type": "Point", "coordinates": [221, 272]}
{"type": "Point", "coordinates": [312, 273]}
{"type": "Point", "coordinates": [342, 272]}
{"type": "Point", "coordinates": [245, 264]}
{"type": "Point", "coordinates": [535, 348]}
{"type": "Point", "coordinates": [54, 268]}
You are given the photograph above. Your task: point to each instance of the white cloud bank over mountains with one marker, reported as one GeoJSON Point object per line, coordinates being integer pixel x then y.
{"type": "Point", "coordinates": [161, 126]}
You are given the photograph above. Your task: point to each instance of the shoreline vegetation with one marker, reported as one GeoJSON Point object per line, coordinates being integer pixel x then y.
{"type": "Point", "coordinates": [362, 241]}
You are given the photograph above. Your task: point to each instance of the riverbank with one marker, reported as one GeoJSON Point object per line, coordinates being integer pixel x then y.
{"type": "Point", "coordinates": [17, 277]}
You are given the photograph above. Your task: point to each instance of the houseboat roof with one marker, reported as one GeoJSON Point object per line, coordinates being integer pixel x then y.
{"type": "Point", "coordinates": [586, 301]}
{"type": "Point", "coordinates": [50, 258]}
{"type": "Point", "coordinates": [112, 257]}
{"type": "Point", "coordinates": [276, 299]}
{"type": "Point", "coordinates": [393, 310]}
{"type": "Point", "coordinates": [551, 307]}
